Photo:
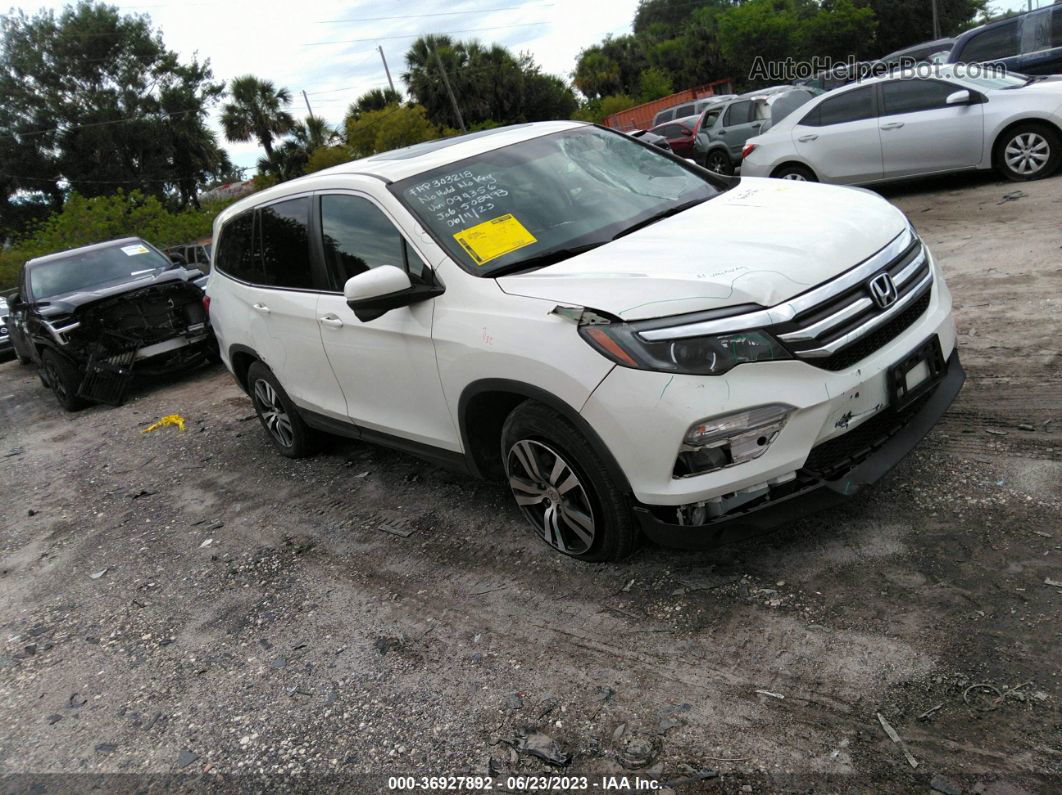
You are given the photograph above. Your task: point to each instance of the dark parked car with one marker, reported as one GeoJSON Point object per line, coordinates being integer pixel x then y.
{"type": "Point", "coordinates": [916, 54]}
{"type": "Point", "coordinates": [6, 350]}
{"type": "Point", "coordinates": [1029, 43]}
{"type": "Point", "coordinates": [651, 138]}
{"type": "Point", "coordinates": [91, 316]}
{"type": "Point", "coordinates": [679, 135]}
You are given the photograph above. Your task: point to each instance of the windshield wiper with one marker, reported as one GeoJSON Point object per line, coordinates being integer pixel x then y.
{"type": "Point", "coordinates": [660, 216]}
{"type": "Point", "coordinates": [544, 259]}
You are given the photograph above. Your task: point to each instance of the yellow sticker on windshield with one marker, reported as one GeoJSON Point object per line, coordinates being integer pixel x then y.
{"type": "Point", "coordinates": [493, 239]}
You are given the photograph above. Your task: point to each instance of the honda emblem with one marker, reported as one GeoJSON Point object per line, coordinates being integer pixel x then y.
{"type": "Point", "coordinates": [882, 290]}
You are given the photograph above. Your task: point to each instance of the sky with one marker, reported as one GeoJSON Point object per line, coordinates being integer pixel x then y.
{"type": "Point", "coordinates": [327, 48]}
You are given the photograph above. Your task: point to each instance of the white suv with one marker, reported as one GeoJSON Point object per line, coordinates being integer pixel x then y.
{"type": "Point", "coordinates": [628, 340]}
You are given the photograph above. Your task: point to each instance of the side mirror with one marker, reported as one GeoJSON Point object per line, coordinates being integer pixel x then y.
{"type": "Point", "coordinates": [959, 98]}
{"type": "Point", "coordinates": [383, 288]}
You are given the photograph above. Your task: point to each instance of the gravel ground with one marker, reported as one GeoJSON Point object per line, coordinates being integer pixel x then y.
{"type": "Point", "coordinates": [186, 602]}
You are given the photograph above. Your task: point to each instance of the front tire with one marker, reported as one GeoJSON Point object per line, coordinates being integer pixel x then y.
{"type": "Point", "coordinates": [63, 377]}
{"type": "Point", "coordinates": [563, 488]}
{"type": "Point", "coordinates": [278, 415]}
{"type": "Point", "coordinates": [796, 172]}
{"type": "Point", "coordinates": [1028, 151]}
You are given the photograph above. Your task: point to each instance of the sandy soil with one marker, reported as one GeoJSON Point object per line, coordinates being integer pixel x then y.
{"type": "Point", "coordinates": [178, 602]}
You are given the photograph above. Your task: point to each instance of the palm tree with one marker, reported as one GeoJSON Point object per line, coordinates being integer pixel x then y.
{"type": "Point", "coordinates": [375, 99]}
{"type": "Point", "coordinates": [256, 111]}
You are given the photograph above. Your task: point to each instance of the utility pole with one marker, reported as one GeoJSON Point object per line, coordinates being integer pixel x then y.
{"type": "Point", "coordinates": [449, 91]}
{"type": "Point", "coordinates": [308, 108]}
{"type": "Point", "coordinates": [936, 20]}
{"type": "Point", "coordinates": [390, 82]}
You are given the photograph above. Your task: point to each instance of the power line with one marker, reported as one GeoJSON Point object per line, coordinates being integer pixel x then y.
{"type": "Point", "coordinates": [417, 35]}
{"type": "Point", "coordinates": [436, 14]}
{"type": "Point", "coordinates": [103, 123]}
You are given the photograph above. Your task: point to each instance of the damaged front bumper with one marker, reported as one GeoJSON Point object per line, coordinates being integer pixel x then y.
{"type": "Point", "coordinates": [834, 471]}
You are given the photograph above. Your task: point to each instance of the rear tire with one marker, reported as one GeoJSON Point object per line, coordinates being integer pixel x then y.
{"type": "Point", "coordinates": [563, 488]}
{"type": "Point", "coordinates": [795, 172]}
{"type": "Point", "coordinates": [1028, 151]}
{"type": "Point", "coordinates": [278, 415]}
{"type": "Point", "coordinates": [719, 161]}
{"type": "Point", "coordinates": [63, 377]}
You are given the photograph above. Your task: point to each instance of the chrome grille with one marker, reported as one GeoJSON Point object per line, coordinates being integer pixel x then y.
{"type": "Point", "coordinates": [847, 316]}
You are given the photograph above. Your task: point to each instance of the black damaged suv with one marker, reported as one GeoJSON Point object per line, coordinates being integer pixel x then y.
{"type": "Point", "coordinates": [90, 317]}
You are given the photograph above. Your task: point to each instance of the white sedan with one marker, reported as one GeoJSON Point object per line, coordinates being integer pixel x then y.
{"type": "Point", "coordinates": [909, 124]}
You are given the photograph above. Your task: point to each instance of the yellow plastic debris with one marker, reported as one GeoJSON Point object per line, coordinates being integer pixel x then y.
{"type": "Point", "coordinates": [171, 419]}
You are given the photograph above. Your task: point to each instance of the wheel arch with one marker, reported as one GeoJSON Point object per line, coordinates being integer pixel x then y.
{"type": "Point", "coordinates": [998, 138]}
{"type": "Point", "coordinates": [792, 162]}
{"type": "Point", "coordinates": [483, 408]}
{"type": "Point", "coordinates": [241, 358]}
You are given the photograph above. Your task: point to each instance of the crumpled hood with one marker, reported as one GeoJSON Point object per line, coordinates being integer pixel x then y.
{"type": "Point", "coordinates": [66, 304]}
{"type": "Point", "coordinates": [762, 242]}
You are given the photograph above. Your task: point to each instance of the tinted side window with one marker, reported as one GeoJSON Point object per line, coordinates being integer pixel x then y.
{"type": "Point", "coordinates": [235, 251]}
{"type": "Point", "coordinates": [1036, 30]}
{"type": "Point", "coordinates": [1056, 26]}
{"type": "Point", "coordinates": [908, 96]}
{"type": "Point", "coordinates": [286, 244]}
{"type": "Point", "coordinates": [850, 106]}
{"type": "Point", "coordinates": [683, 111]}
{"type": "Point", "coordinates": [358, 236]}
{"type": "Point", "coordinates": [739, 113]}
{"type": "Point", "coordinates": [997, 42]}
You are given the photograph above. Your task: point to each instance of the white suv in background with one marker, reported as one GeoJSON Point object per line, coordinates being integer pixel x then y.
{"type": "Point", "coordinates": [626, 339]}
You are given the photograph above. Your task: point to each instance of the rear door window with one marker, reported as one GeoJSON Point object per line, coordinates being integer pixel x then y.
{"type": "Point", "coordinates": [683, 111]}
{"type": "Point", "coordinates": [358, 236]}
{"type": "Point", "coordinates": [738, 113]}
{"type": "Point", "coordinates": [1056, 26]}
{"type": "Point", "coordinates": [1036, 30]}
{"type": "Point", "coordinates": [998, 42]}
{"type": "Point", "coordinates": [236, 251]}
{"type": "Point", "coordinates": [853, 105]}
{"type": "Point", "coordinates": [910, 96]}
{"type": "Point", "coordinates": [286, 244]}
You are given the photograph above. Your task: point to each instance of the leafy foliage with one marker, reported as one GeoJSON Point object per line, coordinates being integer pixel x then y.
{"type": "Point", "coordinates": [86, 220]}
{"type": "Point", "coordinates": [490, 84]}
{"type": "Point", "coordinates": [390, 128]}
{"type": "Point", "coordinates": [256, 110]}
{"type": "Point", "coordinates": [93, 100]}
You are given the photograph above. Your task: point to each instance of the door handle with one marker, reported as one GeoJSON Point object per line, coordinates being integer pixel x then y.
{"type": "Point", "coordinates": [331, 321]}
{"type": "Point", "coordinates": [805, 138]}
{"type": "Point", "coordinates": [892, 125]}
{"type": "Point", "coordinates": [262, 308]}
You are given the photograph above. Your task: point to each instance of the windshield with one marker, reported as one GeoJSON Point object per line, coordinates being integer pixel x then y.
{"type": "Point", "coordinates": [512, 208]}
{"type": "Point", "coordinates": [86, 270]}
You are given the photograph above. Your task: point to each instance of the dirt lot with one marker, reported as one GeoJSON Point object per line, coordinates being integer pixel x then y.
{"type": "Point", "coordinates": [190, 601]}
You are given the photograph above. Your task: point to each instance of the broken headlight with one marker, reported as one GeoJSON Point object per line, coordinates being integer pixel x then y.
{"type": "Point", "coordinates": [710, 355]}
{"type": "Point", "coordinates": [731, 439]}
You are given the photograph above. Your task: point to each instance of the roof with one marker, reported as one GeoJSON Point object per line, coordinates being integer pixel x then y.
{"type": "Point", "coordinates": [399, 164]}
{"type": "Point", "coordinates": [81, 249]}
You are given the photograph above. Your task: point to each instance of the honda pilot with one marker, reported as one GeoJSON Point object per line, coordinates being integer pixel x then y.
{"type": "Point", "coordinates": [631, 343]}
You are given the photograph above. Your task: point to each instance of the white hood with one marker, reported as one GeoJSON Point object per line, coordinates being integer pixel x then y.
{"type": "Point", "coordinates": [761, 242]}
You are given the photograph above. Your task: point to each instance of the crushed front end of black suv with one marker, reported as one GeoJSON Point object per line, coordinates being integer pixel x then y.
{"type": "Point", "coordinates": [127, 311]}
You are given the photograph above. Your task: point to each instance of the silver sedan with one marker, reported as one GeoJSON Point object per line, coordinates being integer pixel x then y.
{"type": "Point", "coordinates": [916, 123]}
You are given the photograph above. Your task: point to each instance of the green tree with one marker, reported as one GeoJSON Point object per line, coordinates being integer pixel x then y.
{"type": "Point", "coordinates": [375, 99]}
{"type": "Point", "coordinates": [390, 128]}
{"type": "Point", "coordinates": [327, 156]}
{"type": "Point", "coordinates": [902, 23]}
{"type": "Point", "coordinates": [489, 83]}
{"type": "Point", "coordinates": [290, 159]}
{"type": "Point", "coordinates": [93, 101]}
{"type": "Point", "coordinates": [654, 84]}
{"type": "Point", "coordinates": [256, 111]}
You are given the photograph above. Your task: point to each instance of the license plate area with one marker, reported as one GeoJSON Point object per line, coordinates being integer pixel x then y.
{"type": "Point", "coordinates": [916, 374]}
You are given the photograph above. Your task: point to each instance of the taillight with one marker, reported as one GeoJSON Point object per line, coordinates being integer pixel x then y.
{"type": "Point", "coordinates": [206, 305]}
{"type": "Point", "coordinates": [747, 150]}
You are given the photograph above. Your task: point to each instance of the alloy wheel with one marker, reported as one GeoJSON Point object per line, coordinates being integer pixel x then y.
{"type": "Point", "coordinates": [1027, 153]}
{"type": "Point", "coordinates": [275, 418]}
{"type": "Point", "coordinates": [551, 496]}
{"type": "Point", "coordinates": [717, 163]}
{"type": "Point", "coordinates": [796, 176]}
